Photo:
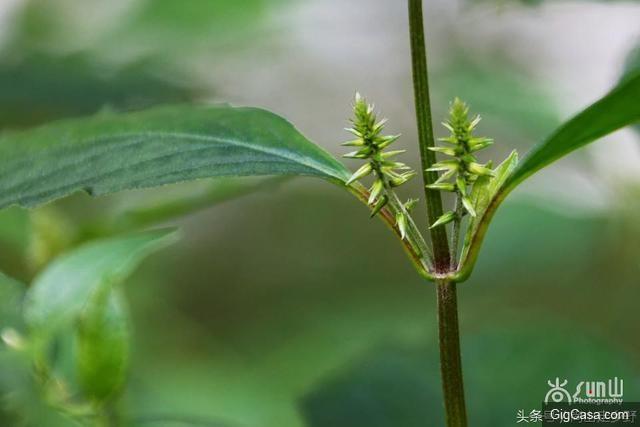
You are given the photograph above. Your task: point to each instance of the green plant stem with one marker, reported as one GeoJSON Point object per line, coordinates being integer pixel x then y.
{"type": "Point", "coordinates": [425, 134]}
{"type": "Point", "coordinates": [450, 361]}
{"type": "Point", "coordinates": [414, 235]}
{"type": "Point", "coordinates": [411, 245]}
{"type": "Point", "coordinates": [455, 232]}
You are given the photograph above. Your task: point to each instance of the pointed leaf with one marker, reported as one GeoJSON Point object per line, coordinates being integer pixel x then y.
{"type": "Point", "coordinates": [112, 152]}
{"type": "Point", "coordinates": [614, 111]}
{"type": "Point", "coordinates": [621, 107]}
{"type": "Point", "coordinates": [59, 294]}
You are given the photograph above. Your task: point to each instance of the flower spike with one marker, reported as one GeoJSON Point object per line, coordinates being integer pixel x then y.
{"type": "Point", "coordinates": [371, 145]}
{"type": "Point", "coordinates": [462, 170]}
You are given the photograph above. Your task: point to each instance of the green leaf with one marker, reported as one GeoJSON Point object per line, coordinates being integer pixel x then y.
{"type": "Point", "coordinates": [60, 293]}
{"type": "Point", "coordinates": [621, 107]}
{"type": "Point", "coordinates": [632, 67]}
{"type": "Point", "coordinates": [614, 111]}
{"type": "Point", "coordinates": [36, 88]}
{"type": "Point", "coordinates": [114, 152]}
{"type": "Point", "coordinates": [102, 346]}
{"type": "Point", "coordinates": [483, 192]}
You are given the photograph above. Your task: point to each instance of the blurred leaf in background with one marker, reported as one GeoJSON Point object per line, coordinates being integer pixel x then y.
{"type": "Point", "coordinates": [539, 2]}
{"type": "Point", "coordinates": [43, 87]}
{"type": "Point", "coordinates": [158, 29]}
{"type": "Point", "coordinates": [75, 57]}
{"type": "Point", "coordinates": [509, 100]}
{"type": "Point", "coordinates": [506, 369]}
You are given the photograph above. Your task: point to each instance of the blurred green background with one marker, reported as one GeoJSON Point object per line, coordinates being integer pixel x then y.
{"type": "Point", "coordinates": [287, 307]}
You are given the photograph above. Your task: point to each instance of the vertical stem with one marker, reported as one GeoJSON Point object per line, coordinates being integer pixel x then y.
{"type": "Point", "coordinates": [450, 361]}
{"type": "Point", "coordinates": [425, 133]}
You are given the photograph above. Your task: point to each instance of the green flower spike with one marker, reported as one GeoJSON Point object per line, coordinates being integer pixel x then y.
{"type": "Point", "coordinates": [460, 172]}
{"type": "Point", "coordinates": [388, 173]}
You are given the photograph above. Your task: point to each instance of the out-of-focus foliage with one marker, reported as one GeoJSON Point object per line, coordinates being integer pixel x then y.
{"type": "Point", "coordinates": [158, 29]}
{"type": "Point", "coordinates": [75, 295]}
{"type": "Point", "coordinates": [11, 296]}
{"type": "Point", "coordinates": [397, 384]}
{"type": "Point", "coordinates": [75, 57]}
{"type": "Point", "coordinates": [38, 88]}
{"type": "Point", "coordinates": [502, 92]}
{"type": "Point", "coordinates": [533, 3]}
{"type": "Point", "coordinates": [102, 346]}
{"type": "Point", "coordinates": [633, 61]}
{"type": "Point", "coordinates": [64, 289]}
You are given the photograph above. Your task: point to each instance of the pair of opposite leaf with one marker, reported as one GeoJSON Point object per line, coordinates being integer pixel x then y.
{"type": "Point", "coordinates": [458, 173]}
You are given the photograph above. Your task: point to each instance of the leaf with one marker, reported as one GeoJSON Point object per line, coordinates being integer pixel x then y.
{"type": "Point", "coordinates": [59, 294]}
{"type": "Point", "coordinates": [483, 192]}
{"type": "Point", "coordinates": [631, 67]}
{"type": "Point", "coordinates": [36, 88]}
{"type": "Point", "coordinates": [114, 152]}
{"type": "Point", "coordinates": [621, 107]}
{"type": "Point", "coordinates": [102, 346]}
{"type": "Point", "coordinates": [196, 27]}
{"type": "Point", "coordinates": [614, 111]}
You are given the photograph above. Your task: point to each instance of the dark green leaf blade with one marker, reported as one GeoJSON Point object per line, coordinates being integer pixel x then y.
{"type": "Point", "coordinates": [60, 293]}
{"type": "Point", "coordinates": [619, 108]}
{"type": "Point", "coordinates": [113, 152]}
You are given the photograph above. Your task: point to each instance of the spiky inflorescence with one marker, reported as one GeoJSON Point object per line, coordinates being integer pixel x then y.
{"type": "Point", "coordinates": [463, 169]}
{"type": "Point", "coordinates": [371, 146]}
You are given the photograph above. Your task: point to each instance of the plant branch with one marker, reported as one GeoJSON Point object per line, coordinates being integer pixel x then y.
{"type": "Point", "coordinates": [425, 134]}
{"type": "Point", "coordinates": [415, 247]}
{"type": "Point", "coordinates": [413, 233]}
{"type": "Point", "coordinates": [450, 361]}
